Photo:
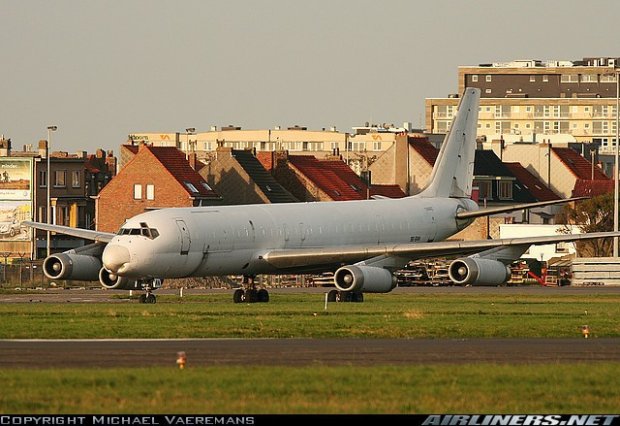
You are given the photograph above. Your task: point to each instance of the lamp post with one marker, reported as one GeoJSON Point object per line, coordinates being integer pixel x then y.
{"type": "Point", "coordinates": [50, 129]}
{"type": "Point", "coordinates": [189, 131]}
{"type": "Point", "coordinates": [616, 165]}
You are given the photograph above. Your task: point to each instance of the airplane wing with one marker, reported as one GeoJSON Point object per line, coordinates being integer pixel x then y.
{"type": "Point", "coordinates": [87, 234]}
{"type": "Point", "coordinates": [283, 259]}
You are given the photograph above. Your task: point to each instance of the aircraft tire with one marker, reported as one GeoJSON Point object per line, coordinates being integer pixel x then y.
{"type": "Point", "coordinates": [238, 296]}
{"type": "Point", "coordinates": [343, 296]}
{"type": "Point", "coordinates": [357, 297]}
{"type": "Point", "coordinates": [262, 296]}
{"type": "Point", "coordinates": [251, 296]}
{"type": "Point", "coordinates": [142, 298]}
{"type": "Point", "coordinates": [332, 295]}
{"type": "Point", "coordinates": [151, 298]}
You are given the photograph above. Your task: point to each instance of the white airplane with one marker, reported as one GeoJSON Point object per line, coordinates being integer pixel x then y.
{"type": "Point", "coordinates": [363, 242]}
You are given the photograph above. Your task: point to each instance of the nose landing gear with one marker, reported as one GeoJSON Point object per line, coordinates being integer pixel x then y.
{"type": "Point", "coordinates": [148, 286]}
{"type": "Point", "coordinates": [250, 294]}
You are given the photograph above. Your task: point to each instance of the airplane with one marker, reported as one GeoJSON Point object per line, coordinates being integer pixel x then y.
{"type": "Point", "coordinates": [362, 242]}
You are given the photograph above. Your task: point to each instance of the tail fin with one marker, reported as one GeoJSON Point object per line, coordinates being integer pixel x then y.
{"type": "Point", "coordinates": [453, 172]}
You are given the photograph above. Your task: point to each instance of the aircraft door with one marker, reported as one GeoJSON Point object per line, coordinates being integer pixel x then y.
{"type": "Point", "coordinates": [185, 236]}
{"type": "Point", "coordinates": [430, 222]}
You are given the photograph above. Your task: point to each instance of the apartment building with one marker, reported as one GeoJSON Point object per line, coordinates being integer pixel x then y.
{"type": "Point", "coordinates": [365, 141]}
{"type": "Point", "coordinates": [533, 97]}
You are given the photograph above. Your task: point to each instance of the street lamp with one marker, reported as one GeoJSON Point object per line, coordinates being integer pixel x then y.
{"type": "Point", "coordinates": [50, 129]}
{"type": "Point", "coordinates": [616, 165]}
{"type": "Point", "coordinates": [189, 131]}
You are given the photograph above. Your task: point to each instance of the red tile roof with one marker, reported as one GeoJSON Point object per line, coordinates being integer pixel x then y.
{"type": "Point", "coordinates": [425, 149]}
{"type": "Point", "coordinates": [531, 183]}
{"type": "Point", "coordinates": [337, 179]}
{"type": "Point", "coordinates": [175, 162]}
{"type": "Point", "coordinates": [389, 191]}
{"type": "Point", "coordinates": [592, 188]}
{"type": "Point", "coordinates": [581, 168]}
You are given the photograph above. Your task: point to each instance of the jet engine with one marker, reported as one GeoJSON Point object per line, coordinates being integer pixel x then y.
{"type": "Point", "coordinates": [113, 281]}
{"type": "Point", "coordinates": [72, 266]}
{"type": "Point", "coordinates": [478, 271]}
{"type": "Point", "coordinates": [366, 279]}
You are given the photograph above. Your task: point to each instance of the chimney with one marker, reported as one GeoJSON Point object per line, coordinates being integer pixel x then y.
{"type": "Point", "coordinates": [100, 153]}
{"type": "Point", "coordinates": [81, 154]}
{"type": "Point", "coordinates": [5, 147]}
{"type": "Point", "coordinates": [43, 148]}
{"type": "Point", "coordinates": [191, 157]}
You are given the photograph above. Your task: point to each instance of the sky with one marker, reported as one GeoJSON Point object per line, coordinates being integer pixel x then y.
{"type": "Point", "coordinates": [101, 70]}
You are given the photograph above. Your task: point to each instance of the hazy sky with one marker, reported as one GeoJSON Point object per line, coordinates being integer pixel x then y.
{"type": "Point", "coordinates": [101, 70]}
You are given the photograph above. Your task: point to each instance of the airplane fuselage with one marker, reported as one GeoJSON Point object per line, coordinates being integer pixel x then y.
{"type": "Point", "coordinates": [230, 240]}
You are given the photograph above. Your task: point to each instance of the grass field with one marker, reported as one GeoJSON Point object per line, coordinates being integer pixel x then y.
{"type": "Point", "coordinates": [302, 315]}
{"type": "Point", "coordinates": [478, 388]}
{"type": "Point", "coordinates": [484, 388]}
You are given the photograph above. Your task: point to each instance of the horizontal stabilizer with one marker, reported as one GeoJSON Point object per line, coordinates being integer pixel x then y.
{"type": "Point", "coordinates": [504, 209]}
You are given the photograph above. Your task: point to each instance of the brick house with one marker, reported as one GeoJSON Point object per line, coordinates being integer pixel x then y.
{"type": "Point", "coordinates": [408, 163]}
{"type": "Point", "coordinates": [311, 179]}
{"type": "Point", "coordinates": [560, 168]}
{"type": "Point", "coordinates": [155, 177]}
{"type": "Point", "coordinates": [241, 178]}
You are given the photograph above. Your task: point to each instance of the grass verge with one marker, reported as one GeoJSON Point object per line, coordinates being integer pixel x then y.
{"type": "Point", "coordinates": [303, 315]}
{"type": "Point", "coordinates": [484, 388]}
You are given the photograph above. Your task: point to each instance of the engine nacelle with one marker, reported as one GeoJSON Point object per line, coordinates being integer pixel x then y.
{"type": "Point", "coordinates": [478, 271]}
{"type": "Point", "coordinates": [113, 281]}
{"type": "Point", "coordinates": [72, 266]}
{"type": "Point", "coordinates": [366, 279]}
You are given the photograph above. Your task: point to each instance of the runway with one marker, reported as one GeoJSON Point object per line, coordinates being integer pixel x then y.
{"type": "Point", "coordinates": [98, 295]}
{"type": "Point", "coordinates": [299, 352]}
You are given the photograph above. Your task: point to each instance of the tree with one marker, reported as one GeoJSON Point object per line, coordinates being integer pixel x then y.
{"type": "Point", "coordinates": [593, 215]}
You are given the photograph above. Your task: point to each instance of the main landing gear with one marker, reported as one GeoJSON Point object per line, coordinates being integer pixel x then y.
{"type": "Point", "coordinates": [345, 296]}
{"type": "Point", "coordinates": [148, 286]}
{"type": "Point", "coordinates": [250, 294]}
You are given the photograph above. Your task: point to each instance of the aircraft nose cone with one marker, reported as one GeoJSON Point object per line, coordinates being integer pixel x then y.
{"type": "Point", "coordinates": [115, 256]}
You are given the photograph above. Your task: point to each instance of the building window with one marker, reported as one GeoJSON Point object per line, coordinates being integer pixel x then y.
{"type": "Point", "coordinates": [532, 79]}
{"type": "Point", "coordinates": [75, 179]}
{"type": "Point", "coordinates": [589, 78]}
{"type": "Point", "coordinates": [487, 78]}
{"type": "Point", "coordinates": [485, 190]}
{"type": "Point", "coordinates": [569, 78]}
{"type": "Point", "coordinates": [504, 190]}
{"type": "Point", "coordinates": [608, 78]}
{"type": "Point", "coordinates": [137, 191]}
{"type": "Point", "coordinates": [545, 78]}
{"type": "Point", "coordinates": [487, 91]}
{"type": "Point", "coordinates": [191, 187]}
{"type": "Point", "coordinates": [376, 146]}
{"type": "Point", "coordinates": [60, 178]}
{"type": "Point", "coordinates": [474, 78]}
{"type": "Point", "coordinates": [150, 191]}
{"type": "Point", "coordinates": [42, 179]}
{"type": "Point", "coordinates": [62, 215]}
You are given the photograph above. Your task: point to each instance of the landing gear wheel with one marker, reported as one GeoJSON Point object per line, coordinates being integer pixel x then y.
{"type": "Point", "coordinates": [343, 296]}
{"type": "Point", "coordinates": [357, 297]}
{"type": "Point", "coordinates": [332, 295]}
{"type": "Point", "coordinates": [262, 296]}
{"type": "Point", "coordinates": [150, 298]}
{"type": "Point", "coordinates": [238, 296]}
{"type": "Point", "coordinates": [251, 295]}
{"type": "Point", "coordinates": [142, 298]}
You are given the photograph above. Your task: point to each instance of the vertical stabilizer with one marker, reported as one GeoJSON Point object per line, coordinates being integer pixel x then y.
{"type": "Point", "coordinates": [453, 172]}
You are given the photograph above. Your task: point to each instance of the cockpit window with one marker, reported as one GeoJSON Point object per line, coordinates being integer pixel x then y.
{"type": "Point", "coordinates": [151, 233]}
